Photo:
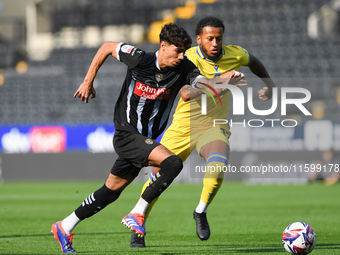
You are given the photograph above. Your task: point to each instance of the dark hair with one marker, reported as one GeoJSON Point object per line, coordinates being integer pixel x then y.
{"type": "Point", "coordinates": [176, 35]}
{"type": "Point", "coordinates": [208, 22]}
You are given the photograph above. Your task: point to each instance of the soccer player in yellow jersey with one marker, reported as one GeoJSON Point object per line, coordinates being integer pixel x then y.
{"type": "Point", "coordinates": [191, 129]}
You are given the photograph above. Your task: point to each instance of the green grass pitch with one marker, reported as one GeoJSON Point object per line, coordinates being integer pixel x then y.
{"type": "Point", "coordinates": [244, 219]}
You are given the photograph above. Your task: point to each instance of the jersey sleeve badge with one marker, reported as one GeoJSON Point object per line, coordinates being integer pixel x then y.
{"type": "Point", "coordinates": [127, 48]}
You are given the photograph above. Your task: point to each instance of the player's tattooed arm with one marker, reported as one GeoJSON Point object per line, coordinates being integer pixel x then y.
{"type": "Point", "coordinates": [203, 85]}
{"type": "Point", "coordinates": [187, 92]}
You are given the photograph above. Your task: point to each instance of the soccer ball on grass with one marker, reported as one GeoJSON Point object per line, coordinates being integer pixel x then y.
{"type": "Point", "coordinates": [299, 238]}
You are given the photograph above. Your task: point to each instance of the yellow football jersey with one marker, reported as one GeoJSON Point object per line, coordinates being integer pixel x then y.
{"type": "Point", "coordinates": [232, 58]}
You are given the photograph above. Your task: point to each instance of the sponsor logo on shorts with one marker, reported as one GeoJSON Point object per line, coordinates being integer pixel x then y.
{"type": "Point", "coordinates": [148, 141]}
{"type": "Point", "coordinates": [153, 93]}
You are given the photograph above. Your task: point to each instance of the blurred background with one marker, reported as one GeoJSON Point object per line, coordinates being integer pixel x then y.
{"type": "Point", "coordinates": [46, 47]}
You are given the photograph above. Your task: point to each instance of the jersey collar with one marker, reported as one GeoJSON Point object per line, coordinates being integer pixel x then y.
{"type": "Point", "coordinates": [201, 54]}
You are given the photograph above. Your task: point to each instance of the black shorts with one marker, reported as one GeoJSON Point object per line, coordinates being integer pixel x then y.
{"type": "Point", "coordinates": [133, 150]}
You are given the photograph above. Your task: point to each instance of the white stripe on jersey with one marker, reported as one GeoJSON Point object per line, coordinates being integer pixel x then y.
{"type": "Point", "coordinates": [128, 106]}
{"type": "Point", "coordinates": [155, 111]}
{"type": "Point", "coordinates": [139, 112]}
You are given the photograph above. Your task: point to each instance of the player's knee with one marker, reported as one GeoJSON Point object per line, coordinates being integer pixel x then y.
{"type": "Point", "coordinates": [173, 164]}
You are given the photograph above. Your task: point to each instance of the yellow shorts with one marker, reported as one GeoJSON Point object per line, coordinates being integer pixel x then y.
{"type": "Point", "coordinates": [181, 140]}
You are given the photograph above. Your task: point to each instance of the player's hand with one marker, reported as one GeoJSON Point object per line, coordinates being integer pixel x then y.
{"type": "Point", "coordinates": [84, 91]}
{"type": "Point", "coordinates": [238, 79]}
{"type": "Point", "coordinates": [225, 77]}
{"type": "Point", "coordinates": [265, 93]}
{"type": "Point", "coordinates": [233, 77]}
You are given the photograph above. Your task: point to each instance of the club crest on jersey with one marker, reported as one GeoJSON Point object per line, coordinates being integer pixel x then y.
{"type": "Point", "coordinates": [148, 141]}
{"type": "Point", "coordinates": [159, 77]}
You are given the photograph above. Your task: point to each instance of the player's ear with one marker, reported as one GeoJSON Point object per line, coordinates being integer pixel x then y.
{"type": "Point", "coordinates": [163, 45]}
{"type": "Point", "coordinates": [198, 39]}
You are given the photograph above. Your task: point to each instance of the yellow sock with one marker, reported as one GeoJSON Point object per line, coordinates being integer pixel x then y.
{"type": "Point", "coordinates": [214, 176]}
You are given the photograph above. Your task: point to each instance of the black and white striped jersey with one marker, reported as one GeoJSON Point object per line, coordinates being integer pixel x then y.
{"type": "Point", "coordinates": [148, 92]}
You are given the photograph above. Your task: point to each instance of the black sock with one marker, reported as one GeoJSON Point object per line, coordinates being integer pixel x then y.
{"type": "Point", "coordinates": [95, 202]}
{"type": "Point", "coordinates": [170, 168]}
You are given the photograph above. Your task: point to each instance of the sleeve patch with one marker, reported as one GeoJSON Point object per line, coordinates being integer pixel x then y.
{"type": "Point", "coordinates": [127, 48]}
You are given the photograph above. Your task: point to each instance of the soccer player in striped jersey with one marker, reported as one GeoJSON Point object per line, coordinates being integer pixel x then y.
{"type": "Point", "coordinates": [190, 129]}
{"type": "Point", "coordinates": [141, 113]}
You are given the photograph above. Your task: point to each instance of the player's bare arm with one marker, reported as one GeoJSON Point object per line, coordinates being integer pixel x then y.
{"type": "Point", "coordinates": [86, 89]}
{"type": "Point", "coordinates": [257, 68]}
{"type": "Point", "coordinates": [187, 92]}
{"type": "Point", "coordinates": [232, 77]}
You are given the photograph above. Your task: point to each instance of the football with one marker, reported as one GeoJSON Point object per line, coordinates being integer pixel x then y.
{"type": "Point", "coordinates": [299, 238]}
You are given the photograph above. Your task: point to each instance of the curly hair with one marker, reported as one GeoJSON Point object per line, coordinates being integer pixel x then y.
{"type": "Point", "coordinates": [176, 35]}
{"type": "Point", "coordinates": [208, 22]}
